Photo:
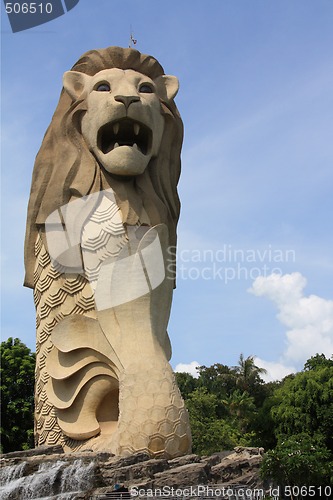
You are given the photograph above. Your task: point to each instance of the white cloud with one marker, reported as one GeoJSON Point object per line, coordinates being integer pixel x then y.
{"type": "Point", "coordinates": [188, 368]}
{"type": "Point", "coordinates": [309, 320]}
{"type": "Point", "coordinates": [275, 371]}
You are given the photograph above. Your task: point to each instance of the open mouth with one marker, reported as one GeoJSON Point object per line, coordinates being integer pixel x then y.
{"type": "Point", "coordinates": [125, 132]}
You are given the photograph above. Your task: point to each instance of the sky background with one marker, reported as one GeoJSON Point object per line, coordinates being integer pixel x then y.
{"type": "Point", "coordinates": [255, 235]}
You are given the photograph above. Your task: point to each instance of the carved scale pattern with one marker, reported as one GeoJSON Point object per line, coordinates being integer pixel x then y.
{"type": "Point", "coordinates": [103, 237]}
{"type": "Point", "coordinates": [56, 295]}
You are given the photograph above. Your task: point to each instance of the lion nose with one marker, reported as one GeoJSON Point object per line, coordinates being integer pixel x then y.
{"type": "Point", "coordinates": [127, 99]}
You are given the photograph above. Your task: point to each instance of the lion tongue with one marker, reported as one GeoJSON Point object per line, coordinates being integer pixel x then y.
{"type": "Point", "coordinates": [134, 146]}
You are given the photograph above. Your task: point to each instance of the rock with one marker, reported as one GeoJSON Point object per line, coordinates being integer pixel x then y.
{"type": "Point", "coordinates": [223, 454]}
{"type": "Point", "coordinates": [225, 471]}
{"type": "Point", "coordinates": [129, 460]}
{"type": "Point", "coordinates": [249, 450]}
{"type": "Point", "coordinates": [185, 460]}
{"type": "Point", "coordinates": [95, 473]}
{"type": "Point", "coordinates": [182, 476]}
{"type": "Point", "coordinates": [247, 480]}
{"type": "Point", "coordinates": [132, 473]}
{"type": "Point", "coordinates": [236, 466]}
{"type": "Point", "coordinates": [40, 450]}
{"type": "Point", "coordinates": [210, 461]}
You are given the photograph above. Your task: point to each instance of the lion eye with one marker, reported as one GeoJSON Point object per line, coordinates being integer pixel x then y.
{"type": "Point", "coordinates": [145, 88]}
{"type": "Point", "coordinates": [103, 87]}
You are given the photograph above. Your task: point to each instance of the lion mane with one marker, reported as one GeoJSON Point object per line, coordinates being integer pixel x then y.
{"type": "Point", "coordinates": [65, 169]}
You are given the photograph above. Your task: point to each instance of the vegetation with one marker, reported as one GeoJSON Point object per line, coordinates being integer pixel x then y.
{"type": "Point", "coordinates": [302, 417]}
{"type": "Point", "coordinates": [299, 460]}
{"type": "Point", "coordinates": [17, 395]}
{"type": "Point", "coordinates": [228, 407]}
{"type": "Point", "coordinates": [291, 419]}
{"type": "Point", "coordinates": [224, 404]}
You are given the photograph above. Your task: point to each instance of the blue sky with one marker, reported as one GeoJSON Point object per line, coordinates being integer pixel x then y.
{"type": "Point", "coordinates": [256, 81]}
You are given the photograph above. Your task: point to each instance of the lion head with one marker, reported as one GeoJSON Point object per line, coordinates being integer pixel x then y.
{"type": "Point", "coordinates": [116, 125]}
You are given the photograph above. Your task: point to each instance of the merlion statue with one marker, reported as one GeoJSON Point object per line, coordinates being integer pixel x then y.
{"type": "Point", "coordinates": [102, 215]}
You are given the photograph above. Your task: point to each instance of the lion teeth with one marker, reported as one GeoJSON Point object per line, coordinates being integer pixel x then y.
{"type": "Point", "coordinates": [116, 128]}
{"type": "Point", "coordinates": [116, 145]}
{"type": "Point", "coordinates": [135, 146]}
{"type": "Point", "coordinates": [136, 128]}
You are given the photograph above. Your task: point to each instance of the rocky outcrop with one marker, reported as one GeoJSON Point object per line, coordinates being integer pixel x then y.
{"type": "Point", "coordinates": [93, 475]}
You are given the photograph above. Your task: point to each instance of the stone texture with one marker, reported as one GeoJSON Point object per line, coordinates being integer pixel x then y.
{"type": "Point", "coordinates": [98, 472]}
{"type": "Point", "coordinates": [102, 215]}
{"type": "Point", "coordinates": [185, 460]}
{"type": "Point", "coordinates": [182, 476]}
{"type": "Point", "coordinates": [240, 467]}
{"type": "Point", "coordinates": [40, 450]}
{"type": "Point", "coordinates": [134, 473]}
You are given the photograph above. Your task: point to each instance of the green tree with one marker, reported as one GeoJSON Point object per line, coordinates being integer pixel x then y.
{"type": "Point", "coordinates": [17, 395]}
{"type": "Point", "coordinates": [220, 380]}
{"type": "Point", "coordinates": [249, 378]}
{"type": "Point", "coordinates": [302, 417]}
{"type": "Point", "coordinates": [241, 408]}
{"type": "Point", "coordinates": [222, 413]}
{"type": "Point", "coordinates": [298, 460]}
{"type": "Point", "coordinates": [202, 404]}
{"type": "Point", "coordinates": [304, 402]}
{"type": "Point", "coordinates": [186, 383]}
{"type": "Point", "coordinates": [318, 361]}
{"type": "Point", "coordinates": [209, 433]}
{"type": "Point", "coordinates": [263, 425]}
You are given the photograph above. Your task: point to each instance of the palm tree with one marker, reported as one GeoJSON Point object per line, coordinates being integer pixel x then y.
{"type": "Point", "coordinates": [241, 407]}
{"type": "Point", "coordinates": [248, 373]}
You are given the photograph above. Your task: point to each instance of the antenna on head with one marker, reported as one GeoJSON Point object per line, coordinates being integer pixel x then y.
{"type": "Point", "coordinates": [132, 40]}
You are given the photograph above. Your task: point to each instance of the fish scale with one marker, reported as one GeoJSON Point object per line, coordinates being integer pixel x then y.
{"type": "Point", "coordinates": [75, 296]}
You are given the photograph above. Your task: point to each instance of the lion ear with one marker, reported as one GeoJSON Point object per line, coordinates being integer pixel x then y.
{"type": "Point", "coordinates": [74, 83]}
{"type": "Point", "coordinates": [167, 86]}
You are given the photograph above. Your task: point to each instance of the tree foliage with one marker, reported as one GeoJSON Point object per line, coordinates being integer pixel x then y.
{"type": "Point", "coordinates": [292, 419]}
{"type": "Point", "coordinates": [209, 433]}
{"type": "Point", "coordinates": [186, 383]}
{"type": "Point", "coordinates": [241, 408]}
{"type": "Point", "coordinates": [222, 405]}
{"type": "Point", "coordinates": [304, 402]}
{"type": "Point", "coordinates": [302, 417]}
{"type": "Point", "coordinates": [17, 395]}
{"type": "Point", "coordinates": [299, 460]}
